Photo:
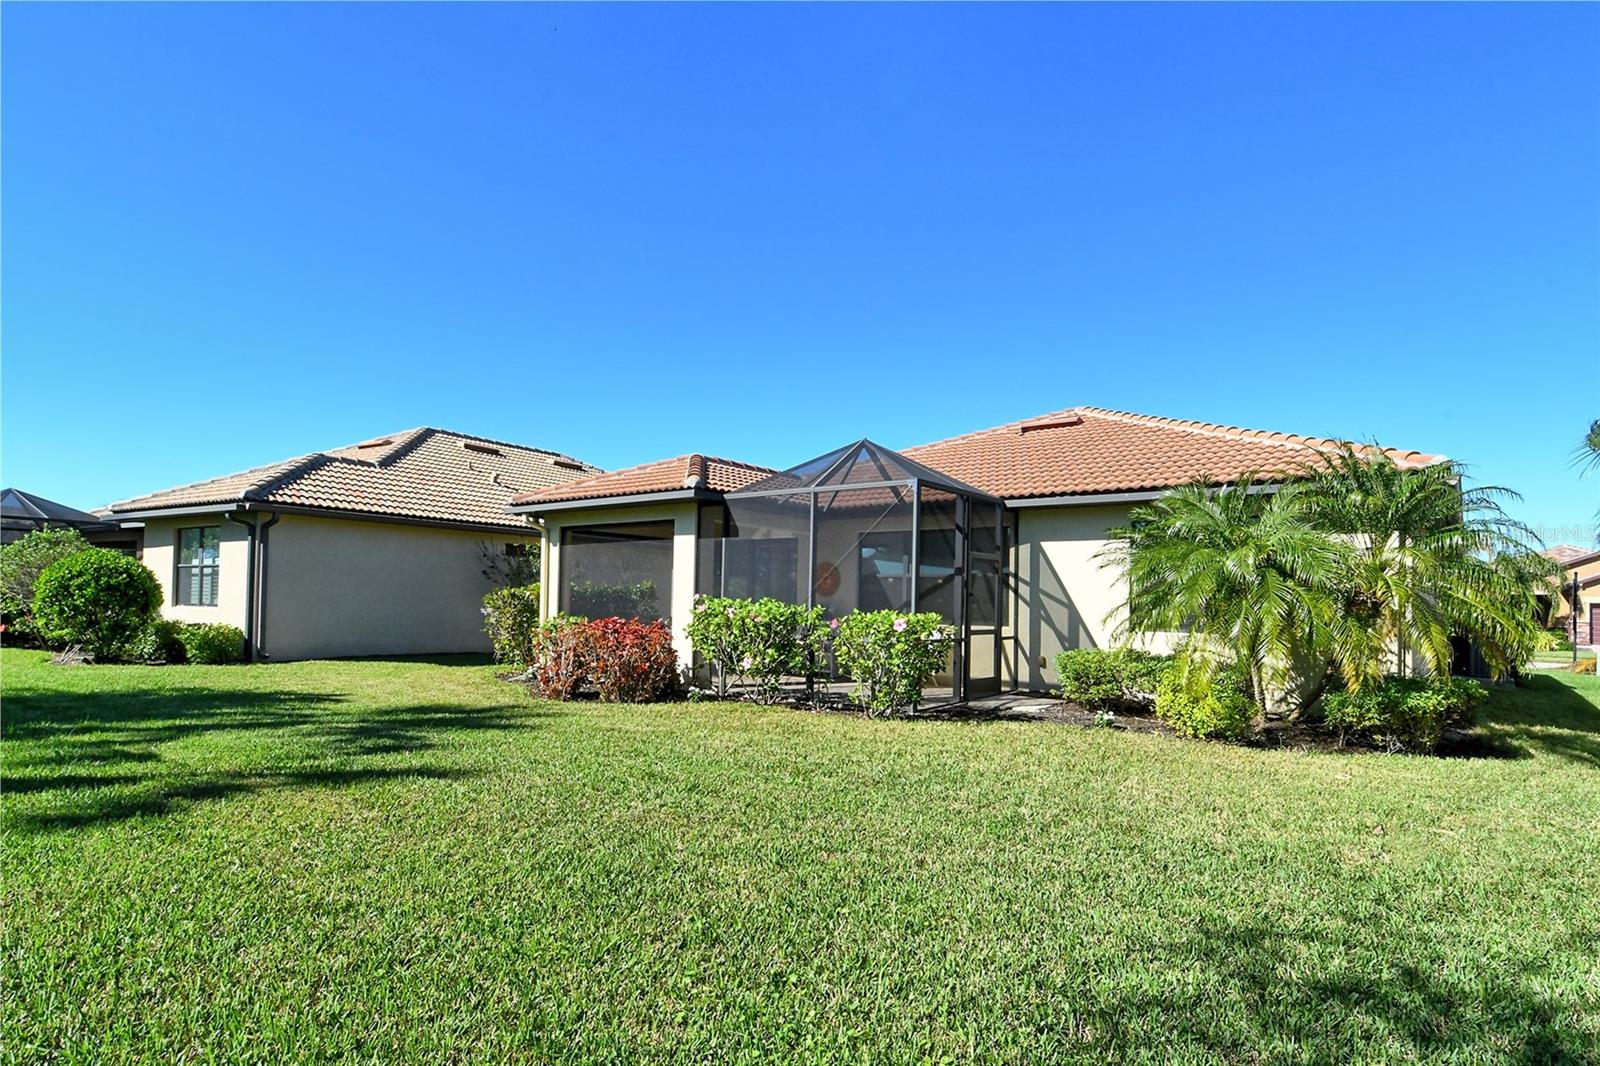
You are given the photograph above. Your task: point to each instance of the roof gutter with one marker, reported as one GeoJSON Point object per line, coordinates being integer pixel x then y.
{"type": "Point", "coordinates": [1090, 499]}
{"type": "Point", "coordinates": [667, 496]}
{"type": "Point", "coordinates": [238, 506]}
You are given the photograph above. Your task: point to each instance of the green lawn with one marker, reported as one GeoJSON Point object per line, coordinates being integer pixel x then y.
{"type": "Point", "coordinates": [412, 862]}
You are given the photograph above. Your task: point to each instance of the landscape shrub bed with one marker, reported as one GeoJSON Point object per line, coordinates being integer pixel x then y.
{"type": "Point", "coordinates": [624, 660]}
{"type": "Point", "coordinates": [1404, 714]}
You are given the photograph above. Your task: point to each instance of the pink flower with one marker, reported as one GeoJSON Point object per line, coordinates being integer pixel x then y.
{"type": "Point", "coordinates": [833, 624]}
{"type": "Point", "coordinates": [733, 612]}
{"type": "Point", "coordinates": [899, 625]}
{"type": "Point", "coordinates": [747, 662]}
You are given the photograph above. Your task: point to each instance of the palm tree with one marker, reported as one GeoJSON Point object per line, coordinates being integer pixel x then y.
{"type": "Point", "coordinates": [1245, 572]}
{"type": "Point", "coordinates": [1587, 454]}
{"type": "Point", "coordinates": [1428, 560]}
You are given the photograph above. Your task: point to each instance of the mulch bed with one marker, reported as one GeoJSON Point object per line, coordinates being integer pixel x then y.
{"type": "Point", "coordinates": [1280, 733]}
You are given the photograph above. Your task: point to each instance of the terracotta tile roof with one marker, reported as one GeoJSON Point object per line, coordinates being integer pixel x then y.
{"type": "Point", "coordinates": [423, 473]}
{"type": "Point", "coordinates": [1075, 451]}
{"type": "Point", "coordinates": [1567, 554]}
{"type": "Point", "coordinates": [1089, 450]}
{"type": "Point", "coordinates": [665, 475]}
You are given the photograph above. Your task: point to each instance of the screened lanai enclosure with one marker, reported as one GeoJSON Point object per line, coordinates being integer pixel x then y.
{"type": "Point", "coordinates": [865, 528]}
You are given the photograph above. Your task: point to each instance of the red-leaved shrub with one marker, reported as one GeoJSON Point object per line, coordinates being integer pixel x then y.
{"type": "Point", "coordinates": [561, 658]}
{"type": "Point", "coordinates": [633, 662]}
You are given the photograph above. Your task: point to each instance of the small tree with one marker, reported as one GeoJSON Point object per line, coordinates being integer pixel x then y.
{"type": "Point", "coordinates": [21, 563]}
{"type": "Point", "coordinates": [98, 600]}
{"type": "Point", "coordinates": [1428, 560]}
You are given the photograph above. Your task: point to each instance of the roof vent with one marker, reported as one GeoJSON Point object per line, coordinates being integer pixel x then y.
{"type": "Point", "coordinates": [1070, 418]}
{"type": "Point", "coordinates": [486, 449]}
{"type": "Point", "coordinates": [379, 443]}
{"type": "Point", "coordinates": [566, 464]}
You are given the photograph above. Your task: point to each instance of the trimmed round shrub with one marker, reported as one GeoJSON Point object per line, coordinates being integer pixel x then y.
{"type": "Point", "coordinates": [511, 618]}
{"type": "Point", "coordinates": [1198, 706]}
{"type": "Point", "coordinates": [212, 643]}
{"type": "Point", "coordinates": [159, 643]}
{"type": "Point", "coordinates": [98, 600]}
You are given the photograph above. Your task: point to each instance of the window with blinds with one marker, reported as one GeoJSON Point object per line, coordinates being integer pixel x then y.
{"type": "Point", "coordinates": [197, 566]}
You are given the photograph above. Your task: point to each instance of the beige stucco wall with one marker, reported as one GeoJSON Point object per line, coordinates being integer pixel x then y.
{"type": "Point", "coordinates": [684, 516]}
{"type": "Point", "coordinates": [338, 587]}
{"type": "Point", "coordinates": [1063, 597]}
{"type": "Point", "coordinates": [233, 549]}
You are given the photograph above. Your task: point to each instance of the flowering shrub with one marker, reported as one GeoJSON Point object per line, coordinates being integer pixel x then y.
{"type": "Point", "coordinates": [760, 640]}
{"type": "Point", "coordinates": [1404, 714]}
{"type": "Point", "coordinates": [633, 661]}
{"type": "Point", "coordinates": [890, 656]}
{"type": "Point", "coordinates": [561, 656]}
{"type": "Point", "coordinates": [511, 618]}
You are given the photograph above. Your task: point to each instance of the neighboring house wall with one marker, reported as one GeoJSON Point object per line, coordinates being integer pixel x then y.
{"type": "Point", "coordinates": [685, 519]}
{"type": "Point", "coordinates": [1588, 600]}
{"type": "Point", "coordinates": [233, 551]}
{"type": "Point", "coordinates": [339, 587]}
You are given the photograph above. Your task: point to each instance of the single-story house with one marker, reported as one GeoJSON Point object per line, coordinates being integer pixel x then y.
{"type": "Point", "coordinates": [1575, 605]}
{"type": "Point", "coordinates": [22, 513]}
{"type": "Point", "coordinates": [997, 530]}
{"type": "Point", "coordinates": [380, 548]}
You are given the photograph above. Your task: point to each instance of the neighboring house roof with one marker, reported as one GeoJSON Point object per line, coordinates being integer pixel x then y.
{"type": "Point", "coordinates": [1568, 555]}
{"type": "Point", "coordinates": [1086, 450]}
{"type": "Point", "coordinates": [684, 472]}
{"type": "Point", "coordinates": [18, 508]}
{"type": "Point", "coordinates": [1079, 451]}
{"type": "Point", "coordinates": [420, 474]}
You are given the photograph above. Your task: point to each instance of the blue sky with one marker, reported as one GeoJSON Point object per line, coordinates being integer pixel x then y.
{"type": "Point", "coordinates": [238, 233]}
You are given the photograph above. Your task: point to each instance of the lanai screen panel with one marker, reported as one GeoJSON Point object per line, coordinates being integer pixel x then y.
{"type": "Point", "coordinates": [758, 547]}
{"type": "Point", "coordinates": [864, 549]}
{"type": "Point", "coordinates": [622, 570]}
